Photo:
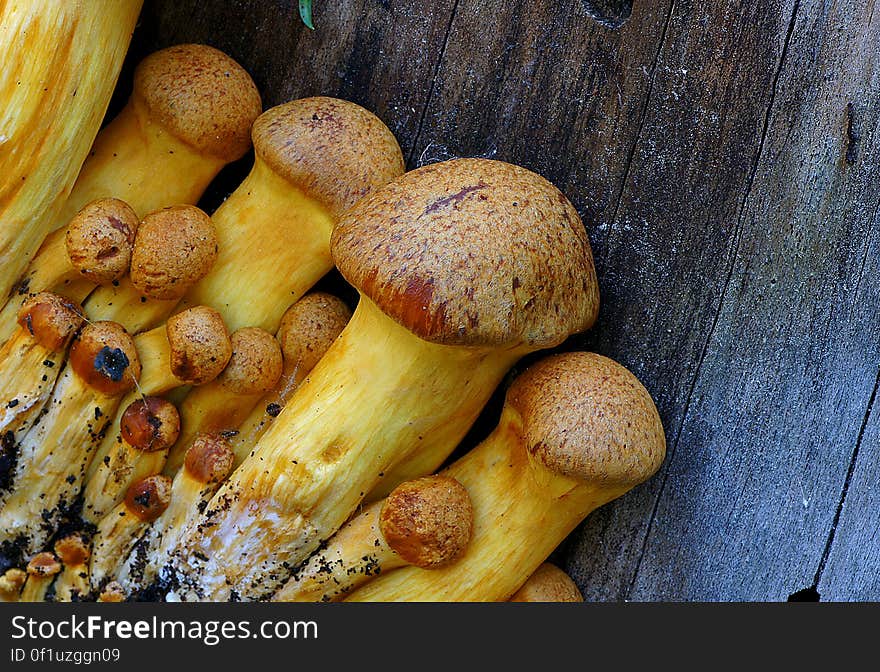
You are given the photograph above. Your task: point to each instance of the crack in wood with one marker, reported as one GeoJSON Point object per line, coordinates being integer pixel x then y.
{"type": "Point", "coordinates": [846, 483]}
{"type": "Point", "coordinates": [868, 241]}
{"type": "Point", "coordinates": [418, 135]}
{"type": "Point", "coordinates": [638, 135]}
{"type": "Point", "coordinates": [732, 265]}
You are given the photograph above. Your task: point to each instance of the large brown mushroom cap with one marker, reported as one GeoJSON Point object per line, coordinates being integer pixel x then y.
{"type": "Point", "coordinates": [472, 252]}
{"type": "Point", "coordinates": [589, 418]}
{"type": "Point", "coordinates": [428, 521]}
{"type": "Point", "coordinates": [334, 150]}
{"type": "Point", "coordinates": [201, 96]}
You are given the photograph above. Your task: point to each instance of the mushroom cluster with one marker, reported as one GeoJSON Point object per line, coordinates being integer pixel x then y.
{"type": "Point", "coordinates": [186, 416]}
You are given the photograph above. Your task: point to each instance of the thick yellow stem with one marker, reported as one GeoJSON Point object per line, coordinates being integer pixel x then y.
{"type": "Point", "coordinates": [139, 162]}
{"type": "Point", "coordinates": [61, 60]}
{"type": "Point", "coordinates": [274, 245]}
{"type": "Point", "coordinates": [522, 511]}
{"type": "Point", "coordinates": [378, 394]}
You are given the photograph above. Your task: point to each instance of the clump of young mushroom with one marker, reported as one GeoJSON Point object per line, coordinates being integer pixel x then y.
{"type": "Point", "coordinates": [463, 267]}
{"type": "Point", "coordinates": [577, 431]}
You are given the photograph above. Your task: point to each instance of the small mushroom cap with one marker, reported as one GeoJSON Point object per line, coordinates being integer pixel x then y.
{"type": "Point", "coordinates": [255, 365]}
{"type": "Point", "coordinates": [150, 424]}
{"type": "Point", "coordinates": [587, 417]}
{"type": "Point", "coordinates": [148, 498]}
{"type": "Point", "coordinates": [51, 319]}
{"type": "Point", "coordinates": [334, 150]}
{"type": "Point", "coordinates": [209, 459]}
{"type": "Point", "coordinates": [309, 327]}
{"type": "Point", "coordinates": [43, 564]}
{"type": "Point", "coordinates": [174, 248]}
{"type": "Point", "coordinates": [72, 549]}
{"type": "Point", "coordinates": [428, 521]}
{"type": "Point", "coordinates": [100, 238]}
{"type": "Point", "coordinates": [200, 344]}
{"type": "Point", "coordinates": [112, 592]}
{"type": "Point", "coordinates": [201, 96]}
{"type": "Point", "coordinates": [548, 584]}
{"type": "Point", "coordinates": [104, 356]}
{"type": "Point", "coordinates": [12, 581]}
{"type": "Point", "coordinates": [472, 252]}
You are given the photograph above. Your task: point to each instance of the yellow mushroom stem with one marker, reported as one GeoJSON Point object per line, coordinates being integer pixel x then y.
{"type": "Point", "coordinates": [577, 431]}
{"type": "Point", "coordinates": [54, 453]}
{"type": "Point", "coordinates": [357, 413]}
{"type": "Point", "coordinates": [147, 427]}
{"type": "Point", "coordinates": [29, 366]}
{"type": "Point", "coordinates": [208, 462]}
{"type": "Point", "coordinates": [61, 61]}
{"type": "Point", "coordinates": [120, 529]}
{"type": "Point", "coordinates": [426, 522]}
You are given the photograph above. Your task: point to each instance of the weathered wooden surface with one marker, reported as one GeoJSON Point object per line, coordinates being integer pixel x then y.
{"type": "Point", "coordinates": [724, 157]}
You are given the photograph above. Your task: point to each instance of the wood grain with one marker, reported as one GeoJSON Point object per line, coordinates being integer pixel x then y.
{"type": "Point", "coordinates": [723, 157]}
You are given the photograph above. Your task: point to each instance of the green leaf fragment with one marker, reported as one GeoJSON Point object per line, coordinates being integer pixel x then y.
{"type": "Point", "coordinates": [305, 13]}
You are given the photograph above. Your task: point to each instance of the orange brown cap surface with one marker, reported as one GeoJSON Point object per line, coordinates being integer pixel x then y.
{"type": "Point", "coordinates": [201, 96]}
{"type": "Point", "coordinates": [51, 319]}
{"type": "Point", "coordinates": [472, 252]}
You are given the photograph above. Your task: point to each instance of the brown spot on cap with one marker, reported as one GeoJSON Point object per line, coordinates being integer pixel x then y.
{"type": "Point", "coordinates": [104, 356]}
{"type": "Point", "coordinates": [72, 549]}
{"type": "Point", "coordinates": [51, 319]}
{"type": "Point", "coordinates": [428, 521]}
{"type": "Point", "coordinates": [334, 150]}
{"type": "Point", "coordinates": [548, 584]}
{"type": "Point", "coordinates": [100, 238]}
{"type": "Point", "coordinates": [589, 418]}
{"type": "Point", "coordinates": [150, 424]}
{"type": "Point", "coordinates": [200, 344]}
{"type": "Point", "coordinates": [148, 498]}
{"type": "Point", "coordinates": [43, 564]}
{"type": "Point", "coordinates": [255, 365]}
{"type": "Point", "coordinates": [472, 252]}
{"type": "Point", "coordinates": [209, 459]}
{"type": "Point", "coordinates": [175, 247]}
{"type": "Point", "coordinates": [309, 327]}
{"type": "Point", "coordinates": [201, 96]}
